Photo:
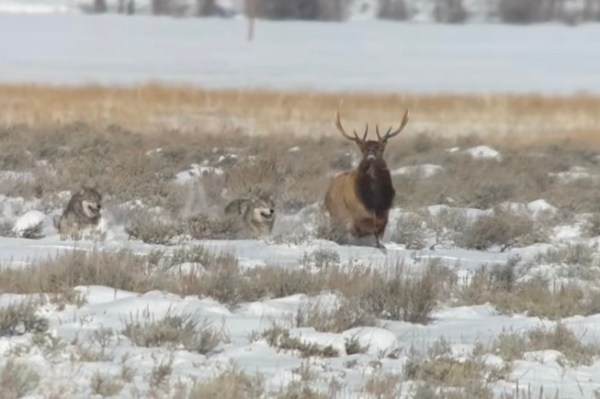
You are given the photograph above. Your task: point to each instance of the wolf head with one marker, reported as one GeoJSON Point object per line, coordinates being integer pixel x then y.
{"type": "Point", "coordinates": [91, 202]}
{"type": "Point", "coordinates": [263, 210]}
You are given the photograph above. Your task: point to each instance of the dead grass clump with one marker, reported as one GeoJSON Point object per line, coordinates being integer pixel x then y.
{"type": "Point", "coordinates": [386, 386]}
{"type": "Point", "coordinates": [502, 229]}
{"type": "Point", "coordinates": [298, 390]}
{"type": "Point", "coordinates": [534, 297]}
{"type": "Point", "coordinates": [280, 338]}
{"type": "Point", "coordinates": [592, 225]}
{"type": "Point", "coordinates": [20, 318]}
{"type": "Point", "coordinates": [229, 385]}
{"type": "Point", "coordinates": [278, 282]}
{"type": "Point", "coordinates": [570, 255]}
{"type": "Point", "coordinates": [224, 281]}
{"type": "Point", "coordinates": [174, 331]}
{"type": "Point", "coordinates": [122, 270]}
{"type": "Point", "coordinates": [511, 346]}
{"type": "Point", "coordinates": [445, 371]}
{"type": "Point", "coordinates": [404, 297]}
{"type": "Point", "coordinates": [323, 258]}
{"type": "Point", "coordinates": [204, 227]}
{"type": "Point", "coordinates": [332, 231]}
{"type": "Point", "coordinates": [196, 271]}
{"type": "Point", "coordinates": [562, 339]}
{"type": "Point", "coordinates": [17, 380]}
{"type": "Point", "coordinates": [152, 231]}
{"type": "Point", "coordinates": [161, 372]}
{"type": "Point", "coordinates": [105, 385]}
{"type": "Point", "coordinates": [349, 313]}
{"type": "Point", "coordinates": [411, 231]}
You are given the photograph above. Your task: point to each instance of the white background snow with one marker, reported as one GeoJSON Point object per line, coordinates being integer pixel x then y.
{"type": "Point", "coordinates": [364, 56]}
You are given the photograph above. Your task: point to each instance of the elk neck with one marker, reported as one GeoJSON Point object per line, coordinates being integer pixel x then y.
{"type": "Point", "coordinates": [374, 186]}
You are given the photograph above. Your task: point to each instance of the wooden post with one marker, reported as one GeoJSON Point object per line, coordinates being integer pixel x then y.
{"type": "Point", "coordinates": [251, 15]}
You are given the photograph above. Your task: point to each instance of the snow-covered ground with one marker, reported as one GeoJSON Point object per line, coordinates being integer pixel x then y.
{"type": "Point", "coordinates": [365, 55]}
{"type": "Point", "coordinates": [387, 346]}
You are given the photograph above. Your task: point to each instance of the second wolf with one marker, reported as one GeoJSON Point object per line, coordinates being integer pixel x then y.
{"type": "Point", "coordinates": [83, 210]}
{"type": "Point", "coordinates": [257, 215]}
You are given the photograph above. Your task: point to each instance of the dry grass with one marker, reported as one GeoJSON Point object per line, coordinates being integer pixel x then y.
{"type": "Point", "coordinates": [396, 295]}
{"type": "Point", "coordinates": [447, 377]}
{"type": "Point", "coordinates": [281, 339]}
{"type": "Point", "coordinates": [175, 331]}
{"type": "Point", "coordinates": [105, 385]}
{"type": "Point", "coordinates": [154, 108]}
{"type": "Point", "coordinates": [349, 313]}
{"type": "Point", "coordinates": [512, 346]}
{"type": "Point", "coordinates": [537, 296]}
{"type": "Point", "coordinates": [229, 385]}
{"type": "Point", "coordinates": [111, 136]}
{"type": "Point", "coordinates": [17, 380]}
{"type": "Point", "coordinates": [20, 318]}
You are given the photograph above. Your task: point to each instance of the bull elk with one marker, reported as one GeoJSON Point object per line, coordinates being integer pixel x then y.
{"type": "Point", "coordinates": [361, 199]}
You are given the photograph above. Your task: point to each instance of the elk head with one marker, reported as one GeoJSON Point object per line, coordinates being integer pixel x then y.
{"type": "Point", "coordinates": [372, 150]}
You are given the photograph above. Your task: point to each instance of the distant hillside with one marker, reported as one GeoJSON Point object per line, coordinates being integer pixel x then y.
{"type": "Point", "coordinates": [418, 11]}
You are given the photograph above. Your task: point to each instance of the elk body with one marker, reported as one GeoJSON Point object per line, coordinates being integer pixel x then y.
{"type": "Point", "coordinates": [361, 199]}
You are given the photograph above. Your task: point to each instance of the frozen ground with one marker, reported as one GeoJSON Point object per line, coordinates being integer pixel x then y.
{"type": "Point", "coordinates": [388, 345]}
{"type": "Point", "coordinates": [360, 55]}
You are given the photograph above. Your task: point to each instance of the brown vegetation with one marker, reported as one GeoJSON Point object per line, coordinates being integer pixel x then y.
{"type": "Point", "coordinates": [155, 108]}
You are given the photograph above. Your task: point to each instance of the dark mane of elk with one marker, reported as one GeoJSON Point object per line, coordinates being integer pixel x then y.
{"type": "Point", "coordinates": [374, 186]}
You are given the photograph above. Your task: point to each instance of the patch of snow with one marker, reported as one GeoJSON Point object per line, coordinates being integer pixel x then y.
{"type": "Point", "coordinates": [483, 152]}
{"type": "Point", "coordinates": [535, 208]}
{"type": "Point", "coordinates": [30, 221]}
{"type": "Point", "coordinates": [195, 172]}
{"type": "Point", "coordinates": [424, 170]}
{"type": "Point", "coordinates": [541, 207]}
{"type": "Point", "coordinates": [565, 233]}
{"type": "Point", "coordinates": [574, 173]}
{"type": "Point", "coordinates": [156, 151]}
{"type": "Point", "coordinates": [378, 341]}
{"type": "Point", "coordinates": [419, 64]}
{"type": "Point", "coordinates": [22, 177]}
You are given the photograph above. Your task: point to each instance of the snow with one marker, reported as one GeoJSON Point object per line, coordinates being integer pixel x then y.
{"type": "Point", "coordinates": [111, 49]}
{"type": "Point", "coordinates": [31, 220]}
{"type": "Point", "coordinates": [541, 207]}
{"type": "Point", "coordinates": [425, 170]}
{"type": "Point", "coordinates": [195, 172]}
{"type": "Point", "coordinates": [483, 152]}
{"type": "Point", "coordinates": [388, 342]}
{"type": "Point", "coordinates": [575, 173]}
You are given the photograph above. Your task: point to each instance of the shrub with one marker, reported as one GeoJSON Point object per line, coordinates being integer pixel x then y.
{"type": "Point", "coordinates": [18, 319]}
{"type": "Point", "coordinates": [17, 380]}
{"type": "Point", "coordinates": [173, 331]}
{"type": "Point", "coordinates": [503, 229]}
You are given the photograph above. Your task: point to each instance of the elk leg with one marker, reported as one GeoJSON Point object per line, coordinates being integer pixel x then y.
{"type": "Point", "coordinates": [376, 233]}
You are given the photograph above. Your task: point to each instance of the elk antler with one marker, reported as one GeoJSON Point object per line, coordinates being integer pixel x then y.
{"type": "Point", "coordinates": [389, 134]}
{"type": "Point", "coordinates": [356, 139]}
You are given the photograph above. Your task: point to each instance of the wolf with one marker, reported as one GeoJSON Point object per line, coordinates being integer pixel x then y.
{"type": "Point", "coordinates": [83, 210]}
{"type": "Point", "coordinates": [257, 215]}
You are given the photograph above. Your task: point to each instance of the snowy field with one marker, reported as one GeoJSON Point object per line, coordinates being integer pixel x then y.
{"type": "Point", "coordinates": [86, 344]}
{"type": "Point", "coordinates": [355, 56]}
{"type": "Point", "coordinates": [476, 340]}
